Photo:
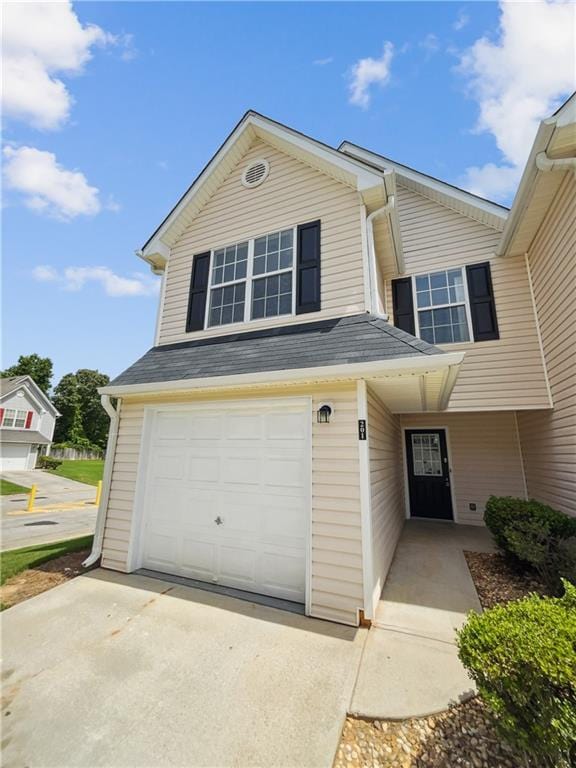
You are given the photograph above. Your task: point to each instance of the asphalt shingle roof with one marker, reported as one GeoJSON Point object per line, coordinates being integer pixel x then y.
{"type": "Point", "coordinates": [23, 436]}
{"type": "Point", "coordinates": [356, 339]}
{"type": "Point", "coordinates": [10, 384]}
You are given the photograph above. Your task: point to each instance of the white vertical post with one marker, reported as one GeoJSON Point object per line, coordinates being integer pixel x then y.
{"type": "Point", "coordinates": [365, 500]}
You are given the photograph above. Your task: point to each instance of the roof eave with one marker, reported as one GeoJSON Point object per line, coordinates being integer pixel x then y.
{"type": "Point", "coordinates": [381, 368]}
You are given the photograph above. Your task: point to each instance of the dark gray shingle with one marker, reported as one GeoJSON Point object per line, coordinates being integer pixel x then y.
{"type": "Point", "coordinates": [356, 339]}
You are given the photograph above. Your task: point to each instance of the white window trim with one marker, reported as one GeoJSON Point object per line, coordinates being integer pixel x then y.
{"type": "Point", "coordinates": [466, 304]}
{"type": "Point", "coordinates": [249, 280]}
{"type": "Point", "coordinates": [16, 412]}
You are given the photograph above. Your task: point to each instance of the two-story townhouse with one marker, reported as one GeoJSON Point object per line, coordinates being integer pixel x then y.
{"type": "Point", "coordinates": [27, 420]}
{"type": "Point", "coordinates": [339, 346]}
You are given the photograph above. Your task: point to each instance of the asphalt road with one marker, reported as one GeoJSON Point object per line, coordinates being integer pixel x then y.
{"type": "Point", "coordinates": [74, 518]}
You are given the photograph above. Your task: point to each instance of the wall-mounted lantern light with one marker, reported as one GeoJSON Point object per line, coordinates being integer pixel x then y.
{"type": "Point", "coordinates": [324, 413]}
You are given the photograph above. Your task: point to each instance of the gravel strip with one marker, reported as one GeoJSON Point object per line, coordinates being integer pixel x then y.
{"type": "Point", "coordinates": [462, 736]}
{"type": "Point", "coordinates": [497, 582]}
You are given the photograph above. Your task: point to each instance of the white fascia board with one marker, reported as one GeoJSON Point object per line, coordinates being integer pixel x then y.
{"type": "Point", "coordinates": [525, 188]}
{"type": "Point", "coordinates": [35, 393]}
{"type": "Point", "coordinates": [427, 181]}
{"type": "Point", "coordinates": [379, 368]}
{"type": "Point", "coordinates": [365, 178]}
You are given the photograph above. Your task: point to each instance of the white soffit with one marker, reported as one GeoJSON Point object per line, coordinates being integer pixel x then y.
{"type": "Point", "coordinates": [347, 170]}
{"type": "Point", "coordinates": [484, 211]}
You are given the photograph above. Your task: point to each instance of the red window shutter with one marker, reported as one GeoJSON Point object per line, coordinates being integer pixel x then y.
{"type": "Point", "coordinates": [1, 416]}
{"type": "Point", "coordinates": [28, 419]}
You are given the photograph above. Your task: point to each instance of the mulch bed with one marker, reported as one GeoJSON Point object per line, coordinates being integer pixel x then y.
{"type": "Point", "coordinates": [36, 580]}
{"type": "Point", "coordinates": [463, 736]}
{"type": "Point", "coordinates": [497, 581]}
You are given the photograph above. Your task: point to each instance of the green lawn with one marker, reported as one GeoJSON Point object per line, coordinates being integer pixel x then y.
{"type": "Point", "coordinates": [84, 470]}
{"type": "Point", "coordinates": [7, 487]}
{"type": "Point", "coordinates": [19, 560]}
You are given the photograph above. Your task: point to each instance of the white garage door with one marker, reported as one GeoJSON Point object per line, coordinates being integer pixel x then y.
{"type": "Point", "coordinates": [227, 496]}
{"type": "Point", "coordinates": [14, 456]}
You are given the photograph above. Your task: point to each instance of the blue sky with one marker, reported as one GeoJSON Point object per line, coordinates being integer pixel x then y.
{"type": "Point", "coordinates": [150, 97]}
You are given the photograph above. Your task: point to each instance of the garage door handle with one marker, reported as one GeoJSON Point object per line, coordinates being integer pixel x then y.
{"type": "Point", "coordinates": [218, 520]}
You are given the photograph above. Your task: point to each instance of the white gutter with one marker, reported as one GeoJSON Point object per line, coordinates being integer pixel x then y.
{"type": "Point", "coordinates": [106, 480]}
{"type": "Point", "coordinates": [379, 368]}
{"type": "Point", "coordinates": [372, 250]}
{"type": "Point", "coordinates": [546, 164]}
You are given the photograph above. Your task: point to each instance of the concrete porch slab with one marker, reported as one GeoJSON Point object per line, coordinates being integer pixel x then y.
{"type": "Point", "coordinates": [410, 665]}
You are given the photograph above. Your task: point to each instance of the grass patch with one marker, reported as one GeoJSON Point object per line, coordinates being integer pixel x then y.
{"type": "Point", "coordinates": [6, 487]}
{"type": "Point", "coordinates": [84, 470]}
{"type": "Point", "coordinates": [19, 560]}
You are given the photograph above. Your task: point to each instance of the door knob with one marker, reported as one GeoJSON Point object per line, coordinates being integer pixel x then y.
{"type": "Point", "coordinates": [218, 520]}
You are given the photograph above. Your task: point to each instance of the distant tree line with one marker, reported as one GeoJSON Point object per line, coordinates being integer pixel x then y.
{"type": "Point", "coordinates": [82, 422]}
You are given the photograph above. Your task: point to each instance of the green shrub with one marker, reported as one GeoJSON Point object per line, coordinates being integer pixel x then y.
{"type": "Point", "coordinates": [522, 657]}
{"type": "Point", "coordinates": [535, 535]}
{"type": "Point", "coordinates": [48, 462]}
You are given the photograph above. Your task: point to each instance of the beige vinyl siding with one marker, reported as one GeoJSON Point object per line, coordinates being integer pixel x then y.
{"type": "Point", "coordinates": [336, 561]}
{"type": "Point", "coordinates": [505, 374]}
{"type": "Point", "coordinates": [292, 194]}
{"type": "Point", "coordinates": [388, 509]}
{"type": "Point", "coordinates": [549, 438]}
{"type": "Point", "coordinates": [484, 456]}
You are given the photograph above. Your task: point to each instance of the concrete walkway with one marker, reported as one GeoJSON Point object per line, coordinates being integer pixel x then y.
{"type": "Point", "coordinates": [22, 529]}
{"type": "Point", "coordinates": [125, 671]}
{"type": "Point", "coordinates": [410, 665]}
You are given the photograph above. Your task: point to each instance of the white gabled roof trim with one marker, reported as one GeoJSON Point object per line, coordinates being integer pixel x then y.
{"type": "Point", "coordinates": [475, 207]}
{"type": "Point", "coordinates": [355, 172]}
{"type": "Point", "coordinates": [379, 368]}
{"type": "Point", "coordinates": [35, 393]}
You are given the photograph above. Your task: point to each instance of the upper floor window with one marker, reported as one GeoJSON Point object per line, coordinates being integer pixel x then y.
{"type": "Point", "coordinates": [252, 279]}
{"type": "Point", "coordinates": [442, 311]}
{"type": "Point", "coordinates": [16, 418]}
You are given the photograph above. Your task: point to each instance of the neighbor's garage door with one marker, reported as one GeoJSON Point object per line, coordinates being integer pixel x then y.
{"type": "Point", "coordinates": [227, 496]}
{"type": "Point", "coordinates": [14, 456]}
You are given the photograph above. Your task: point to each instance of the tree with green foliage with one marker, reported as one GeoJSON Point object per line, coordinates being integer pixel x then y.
{"type": "Point", "coordinates": [83, 421]}
{"type": "Point", "coordinates": [39, 368]}
{"type": "Point", "coordinates": [95, 420]}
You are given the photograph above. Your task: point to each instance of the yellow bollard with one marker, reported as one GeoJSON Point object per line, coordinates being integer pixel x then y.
{"type": "Point", "coordinates": [31, 497]}
{"type": "Point", "coordinates": [98, 493]}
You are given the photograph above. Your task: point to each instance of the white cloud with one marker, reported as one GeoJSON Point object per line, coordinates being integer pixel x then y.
{"type": "Point", "coordinates": [518, 80]}
{"type": "Point", "coordinates": [323, 62]}
{"type": "Point", "coordinates": [41, 41]}
{"type": "Point", "coordinates": [75, 278]}
{"type": "Point", "coordinates": [47, 187]}
{"type": "Point", "coordinates": [462, 20]}
{"type": "Point", "coordinates": [368, 72]}
{"type": "Point", "coordinates": [430, 44]}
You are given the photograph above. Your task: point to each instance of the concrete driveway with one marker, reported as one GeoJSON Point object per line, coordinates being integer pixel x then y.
{"type": "Point", "coordinates": [22, 529]}
{"type": "Point", "coordinates": [121, 670]}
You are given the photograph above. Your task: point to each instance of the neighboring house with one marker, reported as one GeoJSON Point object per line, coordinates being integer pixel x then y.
{"type": "Point", "coordinates": [27, 419]}
{"type": "Point", "coordinates": [342, 342]}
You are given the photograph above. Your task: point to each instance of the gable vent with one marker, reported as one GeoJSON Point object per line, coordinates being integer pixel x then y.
{"type": "Point", "coordinates": [255, 173]}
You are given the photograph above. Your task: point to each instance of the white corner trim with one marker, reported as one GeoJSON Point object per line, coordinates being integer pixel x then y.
{"type": "Point", "coordinates": [367, 272]}
{"type": "Point", "coordinates": [160, 310]}
{"type": "Point", "coordinates": [365, 503]}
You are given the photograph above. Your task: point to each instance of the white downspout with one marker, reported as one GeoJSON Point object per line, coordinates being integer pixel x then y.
{"type": "Point", "coordinates": [106, 480]}
{"type": "Point", "coordinates": [372, 250]}
{"type": "Point", "coordinates": [545, 163]}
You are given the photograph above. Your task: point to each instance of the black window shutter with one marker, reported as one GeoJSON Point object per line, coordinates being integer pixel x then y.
{"type": "Point", "coordinates": [482, 306]}
{"type": "Point", "coordinates": [403, 304]}
{"type": "Point", "coordinates": [198, 292]}
{"type": "Point", "coordinates": [308, 268]}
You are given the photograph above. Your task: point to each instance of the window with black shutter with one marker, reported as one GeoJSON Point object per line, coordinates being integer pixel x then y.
{"type": "Point", "coordinates": [198, 292]}
{"type": "Point", "coordinates": [403, 304]}
{"type": "Point", "coordinates": [308, 268]}
{"type": "Point", "coordinates": [482, 305]}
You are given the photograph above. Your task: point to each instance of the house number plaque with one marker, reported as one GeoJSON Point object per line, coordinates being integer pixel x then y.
{"type": "Point", "coordinates": [361, 429]}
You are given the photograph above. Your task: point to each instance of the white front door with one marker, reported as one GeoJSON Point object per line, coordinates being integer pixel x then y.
{"type": "Point", "coordinates": [14, 456]}
{"type": "Point", "coordinates": [227, 495]}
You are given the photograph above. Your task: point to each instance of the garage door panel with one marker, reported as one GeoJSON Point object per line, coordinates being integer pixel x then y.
{"type": "Point", "coordinates": [286, 426]}
{"type": "Point", "coordinates": [199, 558]}
{"type": "Point", "coordinates": [14, 456]}
{"type": "Point", "coordinates": [204, 469]}
{"type": "Point", "coordinates": [227, 497]}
